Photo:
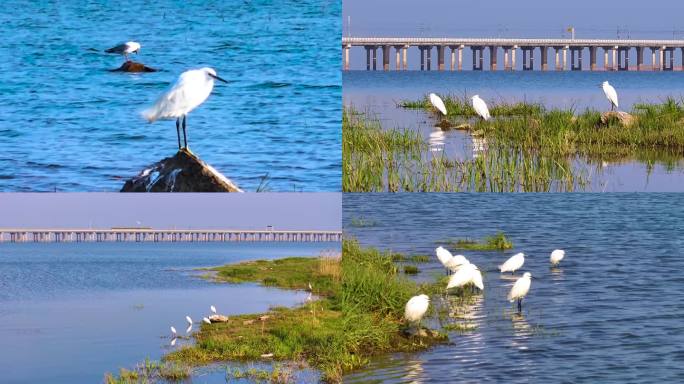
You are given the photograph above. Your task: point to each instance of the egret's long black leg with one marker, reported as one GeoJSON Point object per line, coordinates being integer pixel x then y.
{"type": "Point", "coordinates": [178, 132]}
{"type": "Point", "coordinates": [519, 305]}
{"type": "Point", "coordinates": [185, 137]}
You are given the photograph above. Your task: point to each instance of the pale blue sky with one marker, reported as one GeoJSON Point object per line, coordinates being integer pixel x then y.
{"type": "Point", "coordinates": [321, 211]}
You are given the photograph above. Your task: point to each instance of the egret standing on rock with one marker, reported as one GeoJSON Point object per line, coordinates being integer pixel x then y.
{"type": "Point", "coordinates": [520, 289]}
{"type": "Point", "coordinates": [514, 263]}
{"type": "Point", "coordinates": [437, 102]}
{"type": "Point", "coordinates": [190, 90]}
{"type": "Point", "coordinates": [610, 94]}
{"type": "Point", "coordinates": [416, 308]}
{"type": "Point", "coordinates": [125, 49]}
{"type": "Point", "coordinates": [556, 256]}
{"type": "Point", "coordinates": [480, 107]}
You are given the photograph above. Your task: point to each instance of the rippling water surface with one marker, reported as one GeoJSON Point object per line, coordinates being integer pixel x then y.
{"type": "Point", "coordinates": [611, 313]}
{"type": "Point", "coordinates": [379, 92]}
{"type": "Point", "coordinates": [68, 124]}
{"type": "Point", "coordinates": [69, 312]}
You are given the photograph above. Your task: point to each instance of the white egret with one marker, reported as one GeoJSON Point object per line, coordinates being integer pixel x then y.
{"type": "Point", "coordinates": [556, 256]}
{"type": "Point", "coordinates": [188, 329]}
{"type": "Point", "coordinates": [610, 93]}
{"type": "Point", "coordinates": [437, 102]}
{"type": "Point", "coordinates": [444, 256]}
{"type": "Point", "coordinates": [480, 107]}
{"type": "Point", "coordinates": [125, 49]}
{"type": "Point", "coordinates": [416, 308]}
{"type": "Point", "coordinates": [213, 309]}
{"type": "Point", "coordinates": [514, 263]}
{"type": "Point", "coordinates": [455, 263]}
{"type": "Point", "coordinates": [477, 279]}
{"type": "Point", "coordinates": [206, 320]}
{"type": "Point", "coordinates": [190, 90]}
{"type": "Point", "coordinates": [466, 274]}
{"type": "Point", "coordinates": [520, 289]}
{"type": "Point", "coordinates": [173, 332]}
{"type": "Point", "coordinates": [188, 319]}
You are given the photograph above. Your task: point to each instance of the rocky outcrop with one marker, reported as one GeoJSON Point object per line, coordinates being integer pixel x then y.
{"type": "Point", "coordinates": [132, 66]}
{"type": "Point", "coordinates": [623, 118]}
{"type": "Point", "coordinates": [183, 172]}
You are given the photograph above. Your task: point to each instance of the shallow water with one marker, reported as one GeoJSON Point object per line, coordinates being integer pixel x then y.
{"type": "Point", "coordinates": [379, 92]}
{"type": "Point", "coordinates": [68, 124]}
{"type": "Point", "coordinates": [610, 313]}
{"type": "Point", "coordinates": [73, 311]}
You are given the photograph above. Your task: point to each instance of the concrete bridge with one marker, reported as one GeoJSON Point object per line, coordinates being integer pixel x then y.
{"type": "Point", "coordinates": [616, 53]}
{"type": "Point", "coordinates": [162, 235]}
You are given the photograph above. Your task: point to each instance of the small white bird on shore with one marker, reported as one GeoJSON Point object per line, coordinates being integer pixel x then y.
{"type": "Point", "coordinates": [437, 102]}
{"type": "Point", "coordinates": [213, 309]}
{"type": "Point", "coordinates": [610, 93]}
{"type": "Point", "coordinates": [480, 107]}
{"type": "Point", "coordinates": [125, 49]}
{"type": "Point", "coordinates": [416, 308]}
{"type": "Point", "coordinates": [191, 89]}
{"type": "Point", "coordinates": [514, 263]}
{"type": "Point", "coordinates": [556, 256]}
{"type": "Point", "coordinates": [520, 289]}
{"type": "Point", "coordinates": [466, 274]}
{"type": "Point", "coordinates": [206, 320]}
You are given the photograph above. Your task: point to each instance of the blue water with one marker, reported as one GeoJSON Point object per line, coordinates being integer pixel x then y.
{"type": "Point", "coordinates": [611, 313]}
{"type": "Point", "coordinates": [69, 312]}
{"type": "Point", "coordinates": [378, 92]}
{"type": "Point", "coordinates": [68, 124]}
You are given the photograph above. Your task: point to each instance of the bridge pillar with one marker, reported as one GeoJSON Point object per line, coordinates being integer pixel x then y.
{"type": "Point", "coordinates": [640, 58]}
{"type": "Point", "coordinates": [506, 51]}
{"type": "Point", "coordinates": [428, 59]}
{"type": "Point", "coordinates": [576, 58]}
{"type": "Point", "coordinates": [669, 63]}
{"type": "Point", "coordinates": [453, 57]}
{"type": "Point", "coordinates": [513, 51]}
{"type": "Point", "coordinates": [661, 62]}
{"type": "Point", "coordinates": [397, 49]}
{"type": "Point", "coordinates": [368, 57]}
{"type": "Point", "coordinates": [440, 57]}
{"type": "Point", "coordinates": [528, 58]}
{"type": "Point", "coordinates": [460, 57]}
{"type": "Point", "coordinates": [592, 58]}
{"type": "Point", "coordinates": [405, 60]}
{"type": "Point", "coordinates": [478, 58]}
{"type": "Point", "coordinates": [544, 58]}
{"type": "Point", "coordinates": [557, 61]}
{"type": "Point", "coordinates": [623, 59]}
{"type": "Point", "coordinates": [346, 49]}
{"type": "Point", "coordinates": [492, 58]}
{"type": "Point", "coordinates": [385, 57]}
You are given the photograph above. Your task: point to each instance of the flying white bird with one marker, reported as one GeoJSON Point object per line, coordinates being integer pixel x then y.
{"type": "Point", "coordinates": [466, 274]}
{"type": "Point", "coordinates": [416, 308]}
{"type": "Point", "coordinates": [556, 256]}
{"type": "Point", "coordinates": [610, 94]}
{"type": "Point", "coordinates": [190, 90]}
{"type": "Point", "coordinates": [173, 332]}
{"type": "Point", "coordinates": [437, 102]}
{"type": "Point", "coordinates": [513, 264]}
{"type": "Point", "coordinates": [480, 107]}
{"type": "Point", "coordinates": [125, 49]}
{"type": "Point", "coordinates": [206, 320]}
{"type": "Point", "coordinates": [213, 309]}
{"type": "Point", "coordinates": [188, 319]}
{"type": "Point", "coordinates": [520, 289]}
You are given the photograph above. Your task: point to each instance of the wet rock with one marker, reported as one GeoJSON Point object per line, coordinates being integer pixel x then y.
{"type": "Point", "coordinates": [463, 127]}
{"type": "Point", "coordinates": [183, 172]}
{"type": "Point", "coordinates": [132, 66]}
{"type": "Point", "coordinates": [623, 118]}
{"type": "Point", "coordinates": [218, 319]}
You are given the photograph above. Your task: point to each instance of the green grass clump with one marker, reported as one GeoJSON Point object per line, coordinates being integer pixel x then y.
{"type": "Point", "coordinates": [359, 315]}
{"type": "Point", "coordinates": [420, 258]}
{"type": "Point", "coordinates": [411, 270]}
{"type": "Point", "coordinates": [358, 222]}
{"type": "Point", "coordinates": [150, 372]}
{"type": "Point", "coordinates": [462, 106]}
{"type": "Point", "coordinates": [497, 242]}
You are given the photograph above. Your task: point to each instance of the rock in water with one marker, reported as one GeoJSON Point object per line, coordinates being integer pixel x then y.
{"type": "Point", "coordinates": [132, 66]}
{"type": "Point", "coordinates": [623, 118]}
{"type": "Point", "coordinates": [184, 172]}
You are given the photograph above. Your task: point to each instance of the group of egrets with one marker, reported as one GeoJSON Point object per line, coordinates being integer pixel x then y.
{"type": "Point", "coordinates": [464, 273]}
{"type": "Point", "coordinates": [188, 319]}
{"type": "Point", "coordinates": [482, 110]}
{"type": "Point", "coordinates": [191, 89]}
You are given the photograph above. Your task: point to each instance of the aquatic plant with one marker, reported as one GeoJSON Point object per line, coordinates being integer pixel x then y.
{"type": "Point", "coordinates": [497, 242]}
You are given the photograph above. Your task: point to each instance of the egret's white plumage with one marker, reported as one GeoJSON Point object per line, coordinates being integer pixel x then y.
{"type": "Point", "coordinates": [480, 107]}
{"type": "Point", "coordinates": [520, 288]}
{"type": "Point", "coordinates": [437, 102]}
{"type": "Point", "coordinates": [610, 94]}
{"type": "Point", "coordinates": [477, 279]}
{"type": "Point", "coordinates": [191, 89]}
{"type": "Point", "coordinates": [443, 255]}
{"type": "Point", "coordinates": [213, 309]}
{"type": "Point", "coordinates": [556, 256]}
{"type": "Point", "coordinates": [416, 308]}
{"type": "Point", "coordinates": [455, 263]}
{"type": "Point", "coordinates": [173, 331]}
{"type": "Point", "coordinates": [466, 274]}
{"type": "Point", "coordinates": [514, 263]}
{"type": "Point", "coordinates": [188, 319]}
{"type": "Point", "coordinates": [125, 48]}
{"type": "Point", "coordinates": [206, 320]}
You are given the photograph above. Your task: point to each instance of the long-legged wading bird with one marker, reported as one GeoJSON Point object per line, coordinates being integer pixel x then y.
{"type": "Point", "coordinates": [480, 107]}
{"type": "Point", "coordinates": [213, 309]}
{"type": "Point", "coordinates": [456, 262]}
{"type": "Point", "coordinates": [125, 49]}
{"type": "Point", "coordinates": [444, 256]}
{"type": "Point", "coordinates": [206, 320]}
{"type": "Point", "coordinates": [514, 263]}
{"type": "Point", "coordinates": [556, 256]}
{"type": "Point", "coordinates": [520, 289]}
{"type": "Point", "coordinates": [190, 90]}
{"type": "Point", "coordinates": [610, 94]}
{"type": "Point", "coordinates": [466, 274]}
{"type": "Point", "coordinates": [416, 308]}
{"type": "Point", "coordinates": [437, 102]}
{"type": "Point", "coordinates": [173, 332]}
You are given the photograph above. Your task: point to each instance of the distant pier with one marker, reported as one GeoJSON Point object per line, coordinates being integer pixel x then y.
{"type": "Point", "coordinates": [615, 53]}
{"type": "Point", "coordinates": [163, 235]}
